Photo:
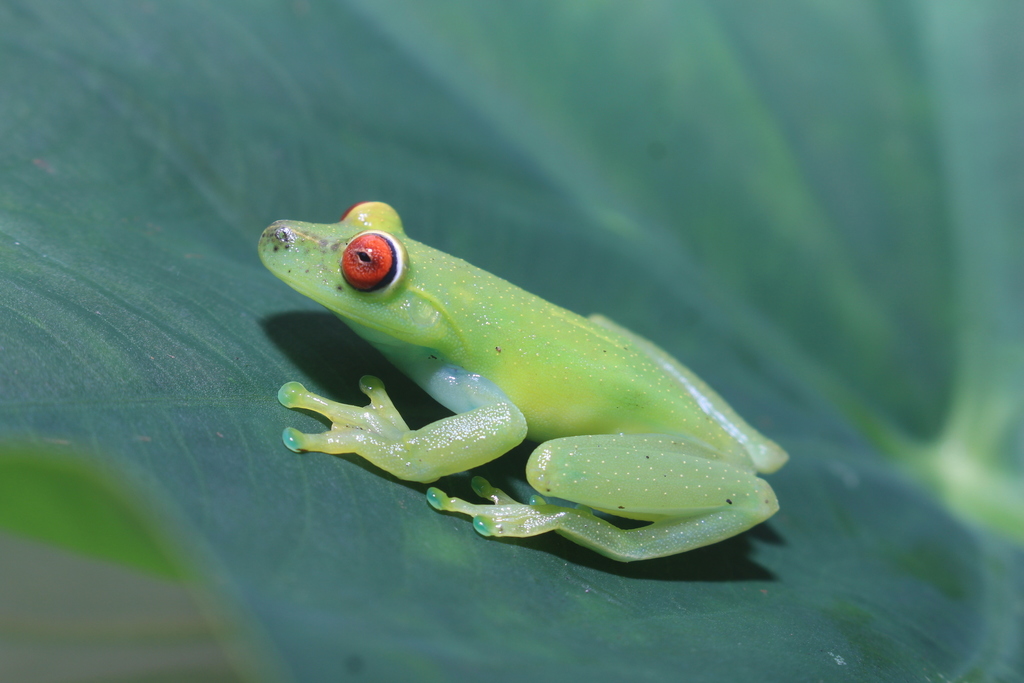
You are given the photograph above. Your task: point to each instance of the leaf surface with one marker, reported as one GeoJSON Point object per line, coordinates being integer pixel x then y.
{"type": "Point", "coordinates": [816, 206]}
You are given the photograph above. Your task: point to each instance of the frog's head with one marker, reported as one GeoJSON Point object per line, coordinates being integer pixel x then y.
{"type": "Point", "coordinates": [359, 268]}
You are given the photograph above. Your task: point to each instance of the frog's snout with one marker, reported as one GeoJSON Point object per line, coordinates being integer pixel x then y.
{"type": "Point", "coordinates": [280, 232]}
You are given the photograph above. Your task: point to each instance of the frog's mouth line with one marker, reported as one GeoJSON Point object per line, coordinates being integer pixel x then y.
{"type": "Point", "coordinates": [325, 287]}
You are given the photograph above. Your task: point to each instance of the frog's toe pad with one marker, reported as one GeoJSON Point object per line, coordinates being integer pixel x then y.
{"type": "Point", "coordinates": [294, 439]}
{"type": "Point", "coordinates": [289, 394]}
{"type": "Point", "coordinates": [482, 487]}
{"type": "Point", "coordinates": [485, 526]}
{"type": "Point", "coordinates": [437, 498]}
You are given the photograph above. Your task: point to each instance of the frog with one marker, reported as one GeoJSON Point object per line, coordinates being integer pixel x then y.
{"type": "Point", "coordinates": [624, 430]}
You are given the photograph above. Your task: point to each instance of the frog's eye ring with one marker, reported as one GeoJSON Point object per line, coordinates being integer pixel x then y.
{"type": "Point", "coordinates": [373, 261]}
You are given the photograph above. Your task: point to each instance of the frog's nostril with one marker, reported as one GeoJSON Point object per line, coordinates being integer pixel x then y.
{"type": "Point", "coordinates": [285, 235]}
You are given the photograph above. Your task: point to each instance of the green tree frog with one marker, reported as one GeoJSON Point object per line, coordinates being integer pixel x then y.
{"type": "Point", "coordinates": [623, 427]}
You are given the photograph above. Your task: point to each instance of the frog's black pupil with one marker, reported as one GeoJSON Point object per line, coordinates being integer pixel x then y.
{"type": "Point", "coordinates": [363, 256]}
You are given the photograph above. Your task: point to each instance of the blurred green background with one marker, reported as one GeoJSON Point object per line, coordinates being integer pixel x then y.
{"type": "Point", "coordinates": [817, 206]}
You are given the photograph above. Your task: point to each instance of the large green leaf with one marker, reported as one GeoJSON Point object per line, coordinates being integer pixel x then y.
{"type": "Point", "coordinates": [817, 206]}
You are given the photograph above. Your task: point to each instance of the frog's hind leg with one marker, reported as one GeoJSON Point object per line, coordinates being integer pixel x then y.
{"type": "Point", "coordinates": [767, 455]}
{"type": "Point", "coordinates": [691, 497]}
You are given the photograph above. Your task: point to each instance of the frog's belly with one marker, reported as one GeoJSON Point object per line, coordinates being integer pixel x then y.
{"type": "Point", "coordinates": [581, 411]}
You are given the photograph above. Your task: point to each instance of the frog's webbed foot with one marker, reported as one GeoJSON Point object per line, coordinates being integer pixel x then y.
{"type": "Point", "coordinates": [353, 428]}
{"type": "Point", "coordinates": [506, 517]}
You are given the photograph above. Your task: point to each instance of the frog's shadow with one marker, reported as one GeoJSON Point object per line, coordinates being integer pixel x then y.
{"type": "Point", "coordinates": [332, 355]}
{"type": "Point", "coordinates": [316, 342]}
{"type": "Point", "coordinates": [725, 561]}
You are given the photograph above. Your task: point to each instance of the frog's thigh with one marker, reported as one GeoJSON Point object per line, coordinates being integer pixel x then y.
{"type": "Point", "coordinates": [647, 477]}
{"type": "Point", "coordinates": [692, 496]}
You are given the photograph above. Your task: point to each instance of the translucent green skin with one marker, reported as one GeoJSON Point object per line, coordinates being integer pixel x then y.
{"type": "Point", "coordinates": [624, 427]}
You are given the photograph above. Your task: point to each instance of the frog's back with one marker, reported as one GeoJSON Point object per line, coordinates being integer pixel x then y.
{"type": "Point", "coordinates": [571, 375]}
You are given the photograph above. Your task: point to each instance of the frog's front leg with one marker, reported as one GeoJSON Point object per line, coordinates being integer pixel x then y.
{"type": "Point", "coordinates": [690, 494]}
{"type": "Point", "coordinates": [377, 432]}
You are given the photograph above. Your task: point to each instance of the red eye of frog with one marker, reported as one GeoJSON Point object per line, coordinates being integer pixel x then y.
{"type": "Point", "coordinates": [371, 261]}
